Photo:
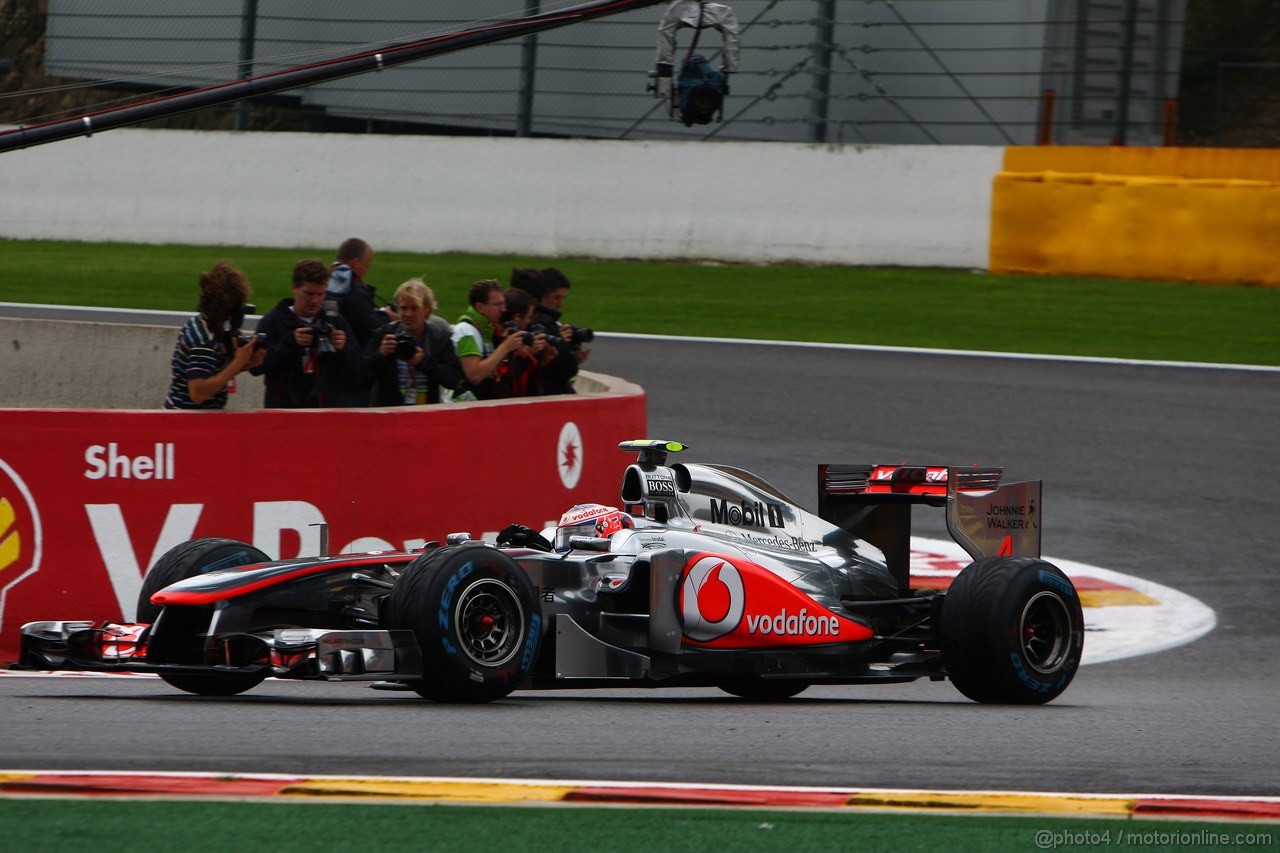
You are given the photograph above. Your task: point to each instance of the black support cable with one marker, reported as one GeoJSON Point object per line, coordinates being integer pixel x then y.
{"type": "Point", "coordinates": [869, 78]}
{"type": "Point", "coordinates": [307, 75]}
{"type": "Point", "coordinates": [954, 79]}
{"type": "Point", "coordinates": [767, 94]}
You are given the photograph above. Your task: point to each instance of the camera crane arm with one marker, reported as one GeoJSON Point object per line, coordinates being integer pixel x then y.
{"type": "Point", "coordinates": [307, 75]}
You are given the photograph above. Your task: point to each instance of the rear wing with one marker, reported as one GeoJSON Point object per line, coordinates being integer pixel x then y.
{"type": "Point", "coordinates": [873, 502]}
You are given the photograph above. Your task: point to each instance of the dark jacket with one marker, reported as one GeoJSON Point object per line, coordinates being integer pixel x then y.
{"type": "Point", "coordinates": [356, 302]}
{"type": "Point", "coordinates": [304, 378]}
{"type": "Point", "coordinates": [440, 366]}
{"type": "Point", "coordinates": [557, 376]}
{"type": "Point", "coordinates": [521, 375]}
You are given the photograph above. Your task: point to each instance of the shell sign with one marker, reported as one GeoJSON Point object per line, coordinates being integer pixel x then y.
{"type": "Point", "coordinates": [20, 536]}
{"type": "Point", "coordinates": [119, 488]}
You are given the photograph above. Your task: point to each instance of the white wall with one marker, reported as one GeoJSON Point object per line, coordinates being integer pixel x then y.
{"type": "Point", "coordinates": [733, 201]}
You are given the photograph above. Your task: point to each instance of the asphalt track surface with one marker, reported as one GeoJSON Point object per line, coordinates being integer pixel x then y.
{"type": "Point", "coordinates": [1166, 473]}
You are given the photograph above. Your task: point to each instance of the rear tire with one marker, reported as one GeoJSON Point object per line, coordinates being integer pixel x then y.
{"type": "Point", "coordinates": [474, 613]}
{"type": "Point", "coordinates": [1012, 631]}
{"type": "Point", "coordinates": [764, 689]}
{"type": "Point", "coordinates": [196, 557]}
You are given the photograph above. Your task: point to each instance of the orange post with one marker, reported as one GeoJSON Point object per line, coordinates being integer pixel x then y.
{"type": "Point", "coordinates": [1044, 135]}
{"type": "Point", "coordinates": [1170, 121]}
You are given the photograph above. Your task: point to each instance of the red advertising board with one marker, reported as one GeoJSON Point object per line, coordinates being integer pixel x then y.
{"type": "Point", "coordinates": [90, 498]}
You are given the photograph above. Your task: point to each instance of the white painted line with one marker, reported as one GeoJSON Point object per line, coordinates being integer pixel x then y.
{"type": "Point", "coordinates": [142, 312]}
{"type": "Point", "coordinates": [1020, 356]}
{"type": "Point", "coordinates": [177, 317]}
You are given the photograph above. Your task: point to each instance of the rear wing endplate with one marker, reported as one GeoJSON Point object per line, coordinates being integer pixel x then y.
{"type": "Point", "coordinates": [987, 519]}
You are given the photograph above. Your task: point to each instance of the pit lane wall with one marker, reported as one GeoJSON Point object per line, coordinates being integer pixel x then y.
{"type": "Point", "coordinates": [90, 498]}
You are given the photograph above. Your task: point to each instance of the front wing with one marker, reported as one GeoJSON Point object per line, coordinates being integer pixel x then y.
{"type": "Point", "coordinates": [307, 653]}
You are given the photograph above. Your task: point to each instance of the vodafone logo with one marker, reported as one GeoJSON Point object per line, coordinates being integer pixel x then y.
{"type": "Point", "coordinates": [711, 599]}
{"type": "Point", "coordinates": [569, 455]}
{"type": "Point", "coordinates": [572, 517]}
{"type": "Point", "coordinates": [20, 533]}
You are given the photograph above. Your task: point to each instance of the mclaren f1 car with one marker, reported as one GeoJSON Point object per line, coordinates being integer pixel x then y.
{"type": "Point", "coordinates": [705, 576]}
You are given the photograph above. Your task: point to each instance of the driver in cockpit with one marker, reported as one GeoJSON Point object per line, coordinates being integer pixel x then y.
{"type": "Point", "coordinates": [595, 521]}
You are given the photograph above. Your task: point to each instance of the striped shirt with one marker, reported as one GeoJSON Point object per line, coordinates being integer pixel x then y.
{"type": "Point", "coordinates": [197, 355]}
{"type": "Point", "coordinates": [413, 382]}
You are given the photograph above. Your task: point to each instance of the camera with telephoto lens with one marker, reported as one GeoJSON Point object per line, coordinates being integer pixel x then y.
{"type": "Point", "coordinates": [406, 345]}
{"type": "Point", "coordinates": [513, 328]}
{"type": "Point", "coordinates": [258, 339]}
{"type": "Point", "coordinates": [551, 333]}
{"type": "Point", "coordinates": [580, 336]}
{"type": "Point", "coordinates": [324, 326]}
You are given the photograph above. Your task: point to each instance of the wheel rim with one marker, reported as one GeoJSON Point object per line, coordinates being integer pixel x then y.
{"type": "Point", "coordinates": [1045, 632]}
{"type": "Point", "coordinates": [490, 622]}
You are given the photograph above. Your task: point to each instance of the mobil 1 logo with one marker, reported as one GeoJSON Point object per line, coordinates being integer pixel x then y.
{"type": "Point", "coordinates": [747, 513]}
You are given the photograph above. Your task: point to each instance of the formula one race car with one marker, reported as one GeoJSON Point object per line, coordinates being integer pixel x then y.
{"type": "Point", "coordinates": [707, 576]}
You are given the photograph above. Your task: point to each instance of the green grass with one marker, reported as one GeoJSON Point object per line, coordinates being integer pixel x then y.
{"type": "Point", "coordinates": [103, 826]}
{"type": "Point", "coordinates": [953, 309]}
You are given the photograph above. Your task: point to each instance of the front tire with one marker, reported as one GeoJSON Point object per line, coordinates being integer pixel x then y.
{"type": "Point", "coordinates": [1012, 631]}
{"type": "Point", "coordinates": [192, 558]}
{"type": "Point", "coordinates": [474, 613]}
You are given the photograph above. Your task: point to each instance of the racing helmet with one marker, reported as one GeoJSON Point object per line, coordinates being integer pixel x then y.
{"type": "Point", "coordinates": [595, 520]}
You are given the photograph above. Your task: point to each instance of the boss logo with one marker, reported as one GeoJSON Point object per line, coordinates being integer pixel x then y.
{"type": "Point", "coordinates": [661, 486]}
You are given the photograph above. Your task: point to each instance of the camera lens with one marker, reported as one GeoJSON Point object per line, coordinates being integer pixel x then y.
{"type": "Point", "coordinates": [406, 347]}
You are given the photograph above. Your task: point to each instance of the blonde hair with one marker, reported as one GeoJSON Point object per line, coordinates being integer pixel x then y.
{"type": "Point", "coordinates": [417, 291]}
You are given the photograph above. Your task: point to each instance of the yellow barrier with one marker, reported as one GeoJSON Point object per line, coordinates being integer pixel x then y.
{"type": "Point", "coordinates": [1126, 226]}
{"type": "Point", "coordinates": [1259, 164]}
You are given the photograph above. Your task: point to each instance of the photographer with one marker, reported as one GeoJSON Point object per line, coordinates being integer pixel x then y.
{"type": "Point", "coordinates": [558, 377]}
{"type": "Point", "coordinates": [412, 359]}
{"type": "Point", "coordinates": [476, 338]}
{"type": "Point", "coordinates": [312, 360]}
{"type": "Point", "coordinates": [210, 352]}
{"type": "Point", "coordinates": [521, 373]}
{"type": "Point", "coordinates": [355, 298]}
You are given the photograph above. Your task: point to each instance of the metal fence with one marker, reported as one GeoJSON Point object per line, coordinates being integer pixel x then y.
{"type": "Point", "coordinates": [867, 71]}
{"type": "Point", "coordinates": [1236, 101]}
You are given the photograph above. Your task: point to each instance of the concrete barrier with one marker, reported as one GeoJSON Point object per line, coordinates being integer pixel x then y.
{"type": "Point", "coordinates": [733, 201]}
{"type": "Point", "coordinates": [1256, 164]}
{"type": "Point", "coordinates": [1137, 226]}
{"type": "Point", "coordinates": [1177, 214]}
{"type": "Point", "coordinates": [72, 364]}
